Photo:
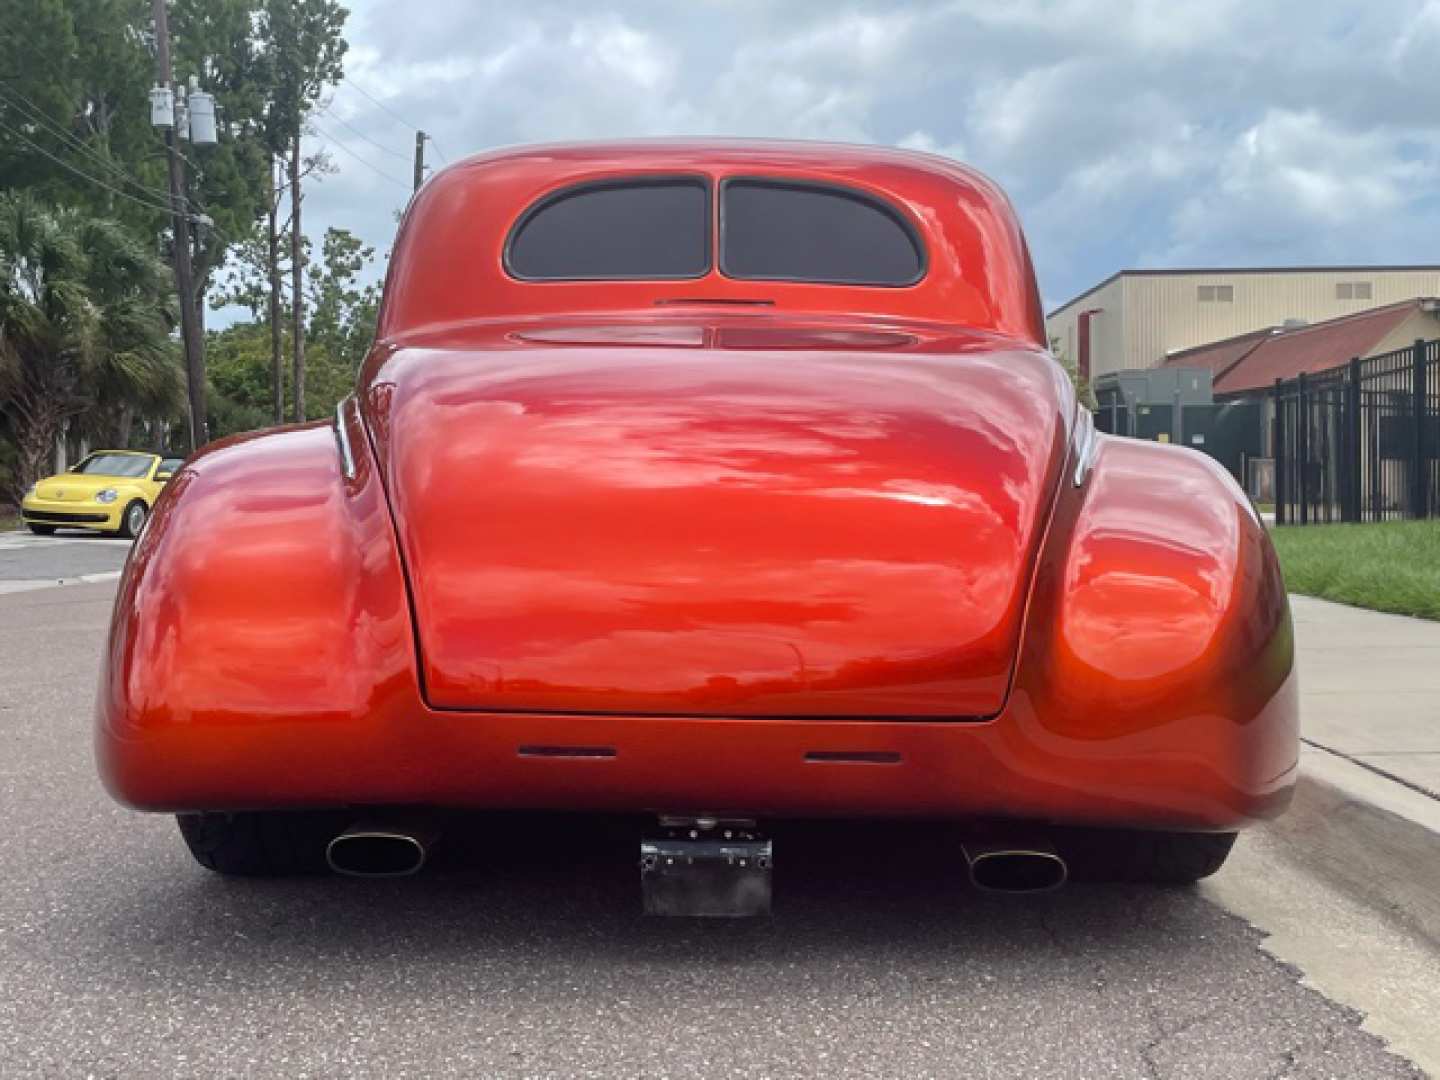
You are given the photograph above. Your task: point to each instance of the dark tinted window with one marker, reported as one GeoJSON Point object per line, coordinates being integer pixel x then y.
{"type": "Point", "coordinates": [632, 229]}
{"type": "Point", "coordinates": [771, 230]}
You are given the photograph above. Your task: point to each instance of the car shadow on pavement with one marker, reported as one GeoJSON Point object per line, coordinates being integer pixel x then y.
{"type": "Point", "coordinates": [553, 892]}
{"type": "Point", "coordinates": [522, 951]}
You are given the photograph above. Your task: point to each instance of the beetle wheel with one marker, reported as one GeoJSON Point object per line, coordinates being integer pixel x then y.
{"type": "Point", "coordinates": [133, 519]}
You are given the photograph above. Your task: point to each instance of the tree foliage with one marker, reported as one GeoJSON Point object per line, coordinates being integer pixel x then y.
{"type": "Point", "coordinates": [306, 52]}
{"type": "Point", "coordinates": [86, 345]}
{"type": "Point", "coordinates": [217, 42]}
{"type": "Point", "coordinates": [75, 114]}
{"type": "Point", "coordinates": [342, 309]}
{"type": "Point", "coordinates": [84, 328]}
{"type": "Point", "coordinates": [1083, 390]}
{"type": "Point", "coordinates": [341, 327]}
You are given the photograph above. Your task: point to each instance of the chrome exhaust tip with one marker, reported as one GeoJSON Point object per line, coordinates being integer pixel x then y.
{"type": "Point", "coordinates": [379, 850]}
{"type": "Point", "coordinates": [1008, 867]}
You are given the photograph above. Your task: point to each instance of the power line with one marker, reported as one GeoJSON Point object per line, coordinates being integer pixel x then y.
{"type": "Point", "coordinates": [377, 102]}
{"type": "Point", "coordinates": [384, 149]}
{"type": "Point", "coordinates": [34, 114]}
{"type": "Point", "coordinates": [381, 105]}
{"type": "Point", "coordinates": [157, 208]}
{"type": "Point", "coordinates": [368, 164]}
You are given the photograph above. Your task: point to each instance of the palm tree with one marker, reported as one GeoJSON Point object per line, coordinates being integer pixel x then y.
{"type": "Point", "coordinates": [84, 329]}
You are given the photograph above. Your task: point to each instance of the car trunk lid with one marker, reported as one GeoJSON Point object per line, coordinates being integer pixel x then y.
{"type": "Point", "coordinates": [766, 522]}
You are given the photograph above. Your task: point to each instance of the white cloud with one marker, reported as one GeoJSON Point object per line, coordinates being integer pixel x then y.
{"type": "Point", "coordinates": [1296, 180]}
{"type": "Point", "coordinates": [610, 48]}
{"type": "Point", "coordinates": [923, 140]}
{"type": "Point", "coordinates": [1127, 131]}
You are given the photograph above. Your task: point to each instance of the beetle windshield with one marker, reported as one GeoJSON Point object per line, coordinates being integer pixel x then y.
{"type": "Point", "coordinates": [129, 466]}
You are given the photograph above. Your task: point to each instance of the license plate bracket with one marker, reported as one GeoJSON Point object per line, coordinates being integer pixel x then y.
{"type": "Point", "coordinates": [713, 869]}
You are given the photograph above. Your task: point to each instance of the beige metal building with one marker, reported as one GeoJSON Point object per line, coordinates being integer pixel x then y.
{"type": "Point", "coordinates": [1136, 318]}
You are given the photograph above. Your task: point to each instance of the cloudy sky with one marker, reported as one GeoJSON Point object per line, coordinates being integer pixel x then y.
{"type": "Point", "coordinates": [1128, 132]}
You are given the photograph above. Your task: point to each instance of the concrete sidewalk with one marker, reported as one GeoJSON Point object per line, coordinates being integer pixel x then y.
{"type": "Point", "coordinates": [1366, 815]}
{"type": "Point", "coordinates": [1370, 689]}
{"type": "Point", "coordinates": [1346, 885]}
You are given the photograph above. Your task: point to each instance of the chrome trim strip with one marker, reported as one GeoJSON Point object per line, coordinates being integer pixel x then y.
{"type": "Point", "coordinates": [342, 437]}
{"type": "Point", "coordinates": [1085, 442]}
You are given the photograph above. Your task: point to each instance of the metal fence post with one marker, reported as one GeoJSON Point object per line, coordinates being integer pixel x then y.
{"type": "Point", "coordinates": [1278, 425]}
{"type": "Point", "coordinates": [1419, 488]}
{"type": "Point", "coordinates": [1302, 446]}
{"type": "Point", "coordinates": [1354, 452]}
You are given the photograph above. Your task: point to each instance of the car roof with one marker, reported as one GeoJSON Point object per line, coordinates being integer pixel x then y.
{"type": "Point", "coordinates": [447, 268]}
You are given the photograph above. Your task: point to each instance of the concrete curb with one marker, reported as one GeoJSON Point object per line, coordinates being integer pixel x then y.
{"type": "Point", "coordinates": [1375, 840]}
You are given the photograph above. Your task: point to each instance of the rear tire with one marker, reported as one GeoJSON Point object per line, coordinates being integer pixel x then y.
{"type": "Point", "coordinates": [1140, 856]}
{"type": "Point", "coordinates": [40, 530]}
{"type": "Point", "coordinates": [261, 843]}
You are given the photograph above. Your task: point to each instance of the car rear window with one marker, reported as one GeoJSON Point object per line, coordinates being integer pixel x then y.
{"type": "Point", "coordinates": [778, 230]}
{"type": "Point", "coordinates": [643, 228]}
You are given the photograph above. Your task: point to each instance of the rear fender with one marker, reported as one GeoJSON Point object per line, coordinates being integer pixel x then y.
{"type": "Point", "coordinates": [1158, 635]}
{"type": "Point", "coordinates": [264, 598]}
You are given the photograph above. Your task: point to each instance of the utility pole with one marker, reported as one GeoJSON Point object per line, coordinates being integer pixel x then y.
{"type": "Point", "coordinates": [274, 185]}
{"type": "Point", "coordinates": [180, 223]}
{"type": "Point", "coordinates": [419, 159]}
{"type": "Point", "coordinates": [297, 279]}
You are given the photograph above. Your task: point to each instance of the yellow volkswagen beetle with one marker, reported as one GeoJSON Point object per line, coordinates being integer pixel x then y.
{"type": "Point", "coordinates": [110, 491]}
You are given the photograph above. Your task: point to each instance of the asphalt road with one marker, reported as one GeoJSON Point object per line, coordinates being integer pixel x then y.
{"type": "Point", "coordinates": [27, 560]}
{"type": "Point", "coordinates": [521, 950]}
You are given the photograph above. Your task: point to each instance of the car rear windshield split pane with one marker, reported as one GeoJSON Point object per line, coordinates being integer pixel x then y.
{"type": "Point", "coordinates": [779, 231]}
{"type": "Point", "coordinates": [633, 229]}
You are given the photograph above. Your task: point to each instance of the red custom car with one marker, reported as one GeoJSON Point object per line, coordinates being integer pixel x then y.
{"type": "Point", "coordinates": [719, 482]}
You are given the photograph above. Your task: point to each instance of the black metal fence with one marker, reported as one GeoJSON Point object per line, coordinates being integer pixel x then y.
{"type": "Point", "coordinates": [1360, 442]}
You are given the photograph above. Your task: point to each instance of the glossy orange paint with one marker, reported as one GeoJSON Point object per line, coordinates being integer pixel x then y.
{"type": "Point", "coordinates": [721, 546]}
{"type": "Point", "coordinates": [721, 530]}
{"type": "Point", "coordinates": [446, 271]}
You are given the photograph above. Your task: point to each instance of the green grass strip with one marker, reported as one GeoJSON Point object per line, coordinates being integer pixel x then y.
{"type": "Point", "coordinates": [1390, 566]}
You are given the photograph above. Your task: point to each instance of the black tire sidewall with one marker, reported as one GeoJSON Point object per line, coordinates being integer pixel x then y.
{"type": "Point", "coordinates": [125, 529]}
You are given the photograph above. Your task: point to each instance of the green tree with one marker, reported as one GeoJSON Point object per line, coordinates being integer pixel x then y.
{"type": "Point", "coordinates": [216, 41]}
{"type": "Point", "coordinates": [74, 116]}
{"type": "Point", "coordinates": [343, 309]}
{"type": "Point", "coordinates": [303, 41]}
{"type": "Point", "coordinates": [238, 362]}
{"type": "Point", "coordinates": [240, 378]}
{"type": "Point", "coordinates": [83, 328]}
{"type": "Point", "coordinates": [1083, 391]}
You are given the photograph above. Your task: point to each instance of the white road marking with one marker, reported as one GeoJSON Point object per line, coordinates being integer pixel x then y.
{"type": "Point", "coordinates": [22, 540]}
{"type": "Point", "coordinates": [17, 539]}
{"type": "Point", "coordinates": [52, 583]}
